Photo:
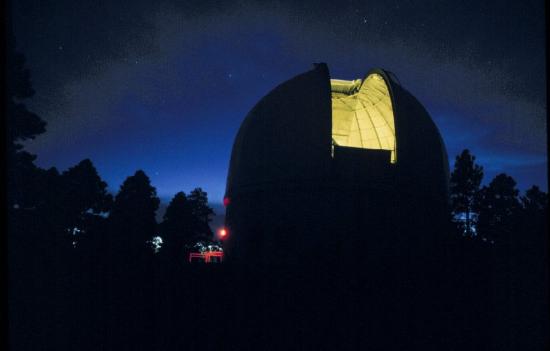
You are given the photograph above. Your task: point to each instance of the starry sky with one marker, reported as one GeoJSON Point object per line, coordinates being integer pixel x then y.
{"type": "Point", "coordinates": [164, 85]}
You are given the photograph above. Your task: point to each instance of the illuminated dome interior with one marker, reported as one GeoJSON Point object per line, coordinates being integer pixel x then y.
{"type": "Point", "coordinates": [362, 114]}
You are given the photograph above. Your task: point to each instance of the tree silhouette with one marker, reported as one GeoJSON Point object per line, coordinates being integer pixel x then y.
{"type": "Point", "coordinates": [202, 213]}
{"type": "Point", "coordinates": [535, 200]}
{"type": "Point", "coordinates": [498, 207]}
{"type": "Point", "coordinates": [534, 222]}
{"type": "Point", "coordinates": [84, 198]}
{"type": "Point", "coordinates": [132, 217]}
{"type": "Point", "coordinates": [464, 186]}
{"type": "Point", "coordinates": [176, 227]}
{"type": "Point", "coordinates": [21, 125]}
{"type": "Point", "coordinates": [185, 223]}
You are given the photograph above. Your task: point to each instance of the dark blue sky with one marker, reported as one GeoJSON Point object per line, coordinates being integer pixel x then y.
{"type": "Point", "coordinates": [163, 87]}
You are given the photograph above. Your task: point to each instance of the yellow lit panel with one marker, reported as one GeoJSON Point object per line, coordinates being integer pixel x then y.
{"type": "Point", "coordinates": [362, 114]}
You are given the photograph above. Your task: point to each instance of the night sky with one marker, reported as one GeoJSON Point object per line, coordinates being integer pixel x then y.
{"type": "Point", "coordinates": [163, 87]}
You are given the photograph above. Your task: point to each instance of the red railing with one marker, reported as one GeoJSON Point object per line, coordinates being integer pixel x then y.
{"type": "Point", "coordinates": [206, 256]}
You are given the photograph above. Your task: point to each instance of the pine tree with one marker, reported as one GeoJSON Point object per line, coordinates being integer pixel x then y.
{"type": "Point", "coordinates": [176, 227]}
{"type": "Point", "coordinates": [464, 187]}
{"type": "Point", "coordinates": [132, 217]}
{"type": "Point", "coordinates": [535, 200]}
{"type": "Point", "coordinates": [498, 207]}
{"type": "Point", "coordinates": [21, 125]}
{"type": "Point", "coordinates": [202, 214]}
{"type": "Point", "coordinates": [84, 198]}
{"type": "Point", "coordinates": [534, 218]}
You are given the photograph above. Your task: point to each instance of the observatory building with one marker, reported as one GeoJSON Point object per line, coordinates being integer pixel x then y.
{"type": "Point", "coordinates": [329, 169]}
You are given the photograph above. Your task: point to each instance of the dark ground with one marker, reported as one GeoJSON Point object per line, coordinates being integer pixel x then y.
{"type": "Point", "coordinates": [468, 304]}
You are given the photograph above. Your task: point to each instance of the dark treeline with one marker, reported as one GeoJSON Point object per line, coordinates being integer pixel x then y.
{"type": "Point", "coordinates": [84, 272]}
{"type": "Point", "coordinates": [74, 206]}
{"type": "Point", "coordinates": [72, 246]}
{"type": "Point", "coordinates": [500, 258]}
{"type": "Point", "coordinates": [494, 212]}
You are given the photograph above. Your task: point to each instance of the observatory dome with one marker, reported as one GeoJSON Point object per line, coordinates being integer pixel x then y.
{"type": "Point", "coordinates": [351, 158]}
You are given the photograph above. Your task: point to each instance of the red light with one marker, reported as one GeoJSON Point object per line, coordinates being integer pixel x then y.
{"type": "Point", "coordinates": [226, 201]}
{"type": "Point", "coordinates": [223, 233]}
